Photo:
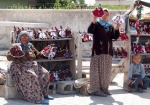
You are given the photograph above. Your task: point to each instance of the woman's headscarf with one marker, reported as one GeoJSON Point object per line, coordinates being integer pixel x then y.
{"type": "Point", "coordinates": [25, 47]}
{"type": "Point", "coordinates": [105, 24]}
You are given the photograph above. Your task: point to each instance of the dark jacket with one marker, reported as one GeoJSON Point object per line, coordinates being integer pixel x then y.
{"type": "Point", "coordinates": [102, 39]}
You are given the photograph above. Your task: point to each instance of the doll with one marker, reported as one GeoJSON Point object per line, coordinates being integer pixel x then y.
{"type": "Point", "coordinates": [117, 19]}
{"type": "Point", "coordinates": [68, 32]}
{"type": "Point", "coordinates": [67, 53]}
{"type": "Point", "coordinates": [124, 53]}
{"type": "Point", "coordinates": [98, 12]}
{"type": "Point", "coordinates": [62, 32]}
{"type": "Point", "coordinates": [53, 33]}
{"type": "Point", "coordinates": [42, 34]}
{"type": "Point", "coordinates": [51, 77]}
{"type": "Point", "coordinates": [114, 52]}
{"type": "Point", "coordinates": [123, 35]}
{"type": "Point", "coordinates": [35, 33]}
{"type": "Point", "coordinates": [139, 49]}
{"type": "Point", "coordinates": [52, 53]}
{"type": "Point", "coordinates": [68, 75]}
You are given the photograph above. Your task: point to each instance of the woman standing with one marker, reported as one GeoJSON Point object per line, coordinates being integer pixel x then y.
{"type": "Point", "coordinates": [30, 79]}
{"type": "Point", "coordinates": [101, 61]}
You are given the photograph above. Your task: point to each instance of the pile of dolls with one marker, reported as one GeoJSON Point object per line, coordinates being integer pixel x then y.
{"type": "Point", "coordinates": [147, 69]}
{"type": "Point", "coordinates": [52, 33]}
{"type": "Point", "coordinates": [140, 48]}
{"type": "Point", "coordinates": [119, 52]}
{"type": "Point", "coordinates": [86, 37]}
{"type": "Point", "coordinates": [53, 52]}
{"type": "Point", "coordinates": [123, 36]}
{"type": "Point", "coordinates": [60, 75]}
{"type": "Point", "coordinates": [16, 51]}
{"type": "Point", "coordinates": [140, 28]}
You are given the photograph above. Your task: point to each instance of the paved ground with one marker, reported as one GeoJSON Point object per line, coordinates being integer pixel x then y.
{"type": "Point", "coordinates": [118, 97]}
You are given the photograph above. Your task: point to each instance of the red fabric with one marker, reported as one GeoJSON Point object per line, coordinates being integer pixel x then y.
{"type": "Point", "coordinates": [98, 12]}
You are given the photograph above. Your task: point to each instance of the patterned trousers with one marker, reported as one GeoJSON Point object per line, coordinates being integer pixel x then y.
{"type": "Point", "coordinates": [31, 80]}
{"type": "Point", "coordinates": [100, 72]}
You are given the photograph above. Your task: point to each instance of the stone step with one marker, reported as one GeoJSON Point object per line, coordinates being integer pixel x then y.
{"type": "Point", "coordinates": [3, 52]}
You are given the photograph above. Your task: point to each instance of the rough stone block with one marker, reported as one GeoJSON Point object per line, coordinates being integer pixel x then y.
{"type": "Point", "coordinates": [65, 87]}
{"type": "Point", "coordinates": [2, 91]}
{"type": "Point", "coordinates": [9, 81]}
{"type": "Point", "coordinates": [11, 92]}
{"type": "Point", "coordinates": [125, 85]}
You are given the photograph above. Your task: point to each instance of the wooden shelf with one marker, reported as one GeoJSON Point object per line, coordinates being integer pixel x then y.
{"type": "Point", "coordinates": [142, 54]}
{"type": "Point", "coordinates": [87, 42]}
{"type": "Point", "coordinates": [53, 60]}
{"type": "Point", "coordinates": [141, 20]}
{"type": "Point", "coordinates": [140, 35]}
{"type": "Point", "coordinates": [117, 58]}
{"type": "Point", "coordinates": [120, 41]}
{"type": "Point", "coordinates": [39, 40]}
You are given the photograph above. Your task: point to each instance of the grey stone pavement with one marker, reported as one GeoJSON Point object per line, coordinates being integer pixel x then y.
{"type": "Point", "coordinates": [118, 97]}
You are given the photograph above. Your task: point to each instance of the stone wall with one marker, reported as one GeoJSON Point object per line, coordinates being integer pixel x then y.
{"type": "Point", "coordinates": [77, 20]}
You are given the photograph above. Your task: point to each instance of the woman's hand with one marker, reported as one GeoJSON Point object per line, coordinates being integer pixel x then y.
{"type": "Point", "coordinates": [94, 19]}
{"type": "Point", "coordinates": [117, 26]}
{"type": "Point", "coordinates": [129, 82]}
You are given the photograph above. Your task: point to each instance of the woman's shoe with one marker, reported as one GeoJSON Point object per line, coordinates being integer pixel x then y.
{"type": "Point", "coordinates": [107, 92]}
{"type": "Point", "coordinates": [48, 97]}
{"type": "Point", "coordinates": [99, 93]}
{"type": "Point", "coordinates": [45, 102]}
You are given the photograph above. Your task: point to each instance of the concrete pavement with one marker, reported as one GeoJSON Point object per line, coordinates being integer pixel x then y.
{"type": "Point", "coordinates": [118, 97]}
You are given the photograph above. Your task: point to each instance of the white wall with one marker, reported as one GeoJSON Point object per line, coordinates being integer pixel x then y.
{"type": "Point", "coordinates": [77, 20]}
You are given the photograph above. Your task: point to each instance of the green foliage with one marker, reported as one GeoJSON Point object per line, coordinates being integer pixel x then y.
{"type": "Point", "coordinates": [57, 5]}
{"type": "Point", "coordinates": [45, 3]}
{"type": "Point", "coordinates": [19, 6]}
{"type": "Point", "coordinates": [81, 1]}
{"type": "Point", "coordinates": [66, 4]}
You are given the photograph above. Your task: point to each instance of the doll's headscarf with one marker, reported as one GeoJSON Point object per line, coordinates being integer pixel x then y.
{"type": "Point", "coordinates": [25, 47]}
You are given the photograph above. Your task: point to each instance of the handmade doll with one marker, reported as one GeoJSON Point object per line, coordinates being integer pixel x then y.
{"type": "Point", "coordinates": [139, 49]}
{"type": "Point", "coordinates": [16, 50]}
{"type": "Point", "coordinates": [52, 53]}
{"type": "Point", "coordinates": [145, 29]}
{"type": "Point", "coordinates": [144, 50]}
{"type": "Point", "coordinates": [98, 12]}
{"type": "Point", "coordinates": [147, 48]}
{"type": "Point", "coordinates": [48, 35]}
{"type": "Point", "coordinates": [46, 50]}
{"type": "Point", "coordinates": [123, 35]}
{"type": "Point", "coordinates": [35, 33]}
{"type": "Point", "coordinates": [55, 74]}
{"type": "Point", "coordinates": [134, 48]}
{"type": "Point", "coordinates": [62, 32]}
{"type": "Point", "coordinates": [119, 54]}
{"type": "Point", "coordinates": [68, 32]}
{"type": "Point", "coordinates": [117, 19]}
{"type": "Point", "coordinates": [51, 77]}
{"type": "Point", "coordinates": [42, 34]}
{"type": "Point", "coordinates": [148, 29]}
{"type": "Point", "coordinates": [123, 52]}
{"type": "Point", "coordinates": [85, 37]}
{"type": "Point", "coordinates": [67, 53]}
{"type": "Point", "coordinates": [114, 53]}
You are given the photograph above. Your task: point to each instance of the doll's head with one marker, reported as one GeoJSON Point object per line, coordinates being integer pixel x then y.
{"type": "Point", "coordinates": [136, 59]}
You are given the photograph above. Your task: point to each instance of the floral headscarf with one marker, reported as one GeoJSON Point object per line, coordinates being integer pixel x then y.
{"type": "Point", "coordinates": [25, 47]}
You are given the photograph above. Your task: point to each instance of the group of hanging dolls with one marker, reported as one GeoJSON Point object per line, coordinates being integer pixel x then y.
{"type": "Point", "coordinates": [50, 51]}
{"type": "Point", "coordinates": [53, 33]}
{"type": "Point", "coordinates": [60, 75]}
